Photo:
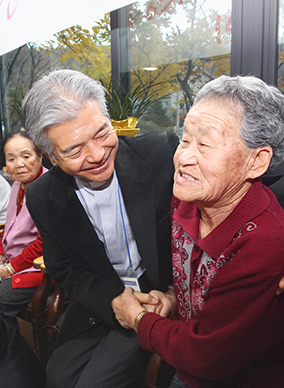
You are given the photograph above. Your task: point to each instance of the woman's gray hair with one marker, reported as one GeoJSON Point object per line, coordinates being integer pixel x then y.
{"type": "Point", "coordinates": [56, 99]}
{"type": "Point", "coordinates": [263, 107]}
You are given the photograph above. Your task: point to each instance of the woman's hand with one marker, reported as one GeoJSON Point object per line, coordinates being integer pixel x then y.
{"type": "Point", "coordinates": [3, 272]}
{"type": "Point", "coordinates": [2, 259]}
{"type": "Point", "coordinates": [6, 270]}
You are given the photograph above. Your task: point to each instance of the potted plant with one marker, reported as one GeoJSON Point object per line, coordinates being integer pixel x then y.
{"type": "Point", "coordinates": [125, 108]}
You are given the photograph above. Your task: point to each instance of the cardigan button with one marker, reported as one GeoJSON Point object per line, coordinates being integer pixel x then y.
{"type": "Point", "coordinates": [92, 321]}
{"type": "Point", "coordinates": [205, 297]}
{"type": "Point", "coordinates": [196, 248]}
{"type": "Point", "coordinates": [17, 280]}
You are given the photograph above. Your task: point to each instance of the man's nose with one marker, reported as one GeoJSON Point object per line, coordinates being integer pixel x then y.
{"type": "Point", "coordinates": [94, 152]}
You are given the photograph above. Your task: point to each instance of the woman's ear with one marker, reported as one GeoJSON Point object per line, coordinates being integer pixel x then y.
{"type": "Point", "coordinates": [261, 160]}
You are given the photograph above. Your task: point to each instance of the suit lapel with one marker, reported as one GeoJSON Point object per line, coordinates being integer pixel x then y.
{"type": "Point", "coordinates": [139, 199]}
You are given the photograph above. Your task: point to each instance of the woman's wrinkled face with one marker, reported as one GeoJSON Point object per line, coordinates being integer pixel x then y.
{"type": "Point", "coordinates": [212, 162]}
{"type": "Point", "coordinates": [22, 161]}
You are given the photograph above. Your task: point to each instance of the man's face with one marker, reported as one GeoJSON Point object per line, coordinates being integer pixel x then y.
{"type": "Point", "coordinates": [212, 163]}
{"type": "Point", "coordinates": [86, 148]}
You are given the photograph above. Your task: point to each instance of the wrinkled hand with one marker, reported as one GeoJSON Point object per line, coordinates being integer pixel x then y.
{"type": "Point", "coordinates": [280, 287]}
{"type": "Point", "coordinates": [2, 259]}
{"type": "Point", "coordinates": [166, 303]}
{"type": "Point", "coordinates": [3, 272]}
{"type": "Point", "coordinates": [127, 306]}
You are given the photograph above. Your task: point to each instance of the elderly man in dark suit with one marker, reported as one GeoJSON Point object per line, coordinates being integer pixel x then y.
{"type": "Point", "coordinates": [104, 217]}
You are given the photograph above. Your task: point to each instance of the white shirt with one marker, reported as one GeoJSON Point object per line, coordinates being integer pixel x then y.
{"type": "Point", "coordinates": [5, 191]}
{"type": "Point", "coordinates": [104, 205]}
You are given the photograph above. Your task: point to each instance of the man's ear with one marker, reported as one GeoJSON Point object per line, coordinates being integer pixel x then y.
{"type": "Point", "coordinates": [52, 161]}
{"type": "Point", "coordinates": [261, 158]}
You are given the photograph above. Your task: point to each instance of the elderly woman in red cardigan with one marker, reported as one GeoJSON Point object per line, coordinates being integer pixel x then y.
{"type": "Point", "coordinates": [20, 243]}
{"type": "Point", "coordinates": [227, 246]}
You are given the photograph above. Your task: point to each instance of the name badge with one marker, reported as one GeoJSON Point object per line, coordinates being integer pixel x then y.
{"type": "Point", "coordinates": [131, 282]}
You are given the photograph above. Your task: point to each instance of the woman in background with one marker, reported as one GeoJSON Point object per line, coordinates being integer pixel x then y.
{"type": "Point", "coordinates": [20, 243]}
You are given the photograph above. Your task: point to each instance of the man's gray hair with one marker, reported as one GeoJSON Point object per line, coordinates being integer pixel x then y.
{"type": "Point", "coordinates": [56, 99]}
{"type": "Point", "coordinates": [263, 107]}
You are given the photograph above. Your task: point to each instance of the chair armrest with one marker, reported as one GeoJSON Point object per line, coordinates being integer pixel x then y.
{"type": "Point", "coordinates": [38, 303]}
{"type": "Point", "coordinates": [38, 263]}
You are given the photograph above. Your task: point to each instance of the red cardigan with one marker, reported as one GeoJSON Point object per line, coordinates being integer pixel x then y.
{"type": "Point", "coordinates": [23, 261]}
{"type": "Point", "coordinates": [238, 335]}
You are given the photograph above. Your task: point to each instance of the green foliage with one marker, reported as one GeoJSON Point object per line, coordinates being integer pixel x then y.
{"type": "Point", "coordinates": [196, 51]}
{"type": "Point", "coordinates": [122, 104]}
{"type": "Point", "coordinates": [187, 54]}
{"type": "Point", "coordinates": [80, 49]}
{"type": "Point", "coordinates": [158, 114]}
{"type": "Point", "coordinates": [16, 97]}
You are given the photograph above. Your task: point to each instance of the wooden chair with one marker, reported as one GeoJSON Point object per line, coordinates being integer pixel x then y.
{"type": "Point", "coordinates": [56, 304]}
{"type": "Point", "coordinates": [55, 315]}
{"type": "Point", "coordinates": [35, 313]}
{"type": "Point", "coordinates": [158, 374]}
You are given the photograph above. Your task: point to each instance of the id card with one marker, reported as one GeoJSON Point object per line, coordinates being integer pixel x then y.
{"type": "Point", "coordinates": [131, 282]}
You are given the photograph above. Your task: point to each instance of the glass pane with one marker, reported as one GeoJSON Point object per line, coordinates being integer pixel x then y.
{"type": "Point", "coordinates": [280, 76]}
{"type": "Point", "coordinates": [84, 48]}
{"type": "Point", "coordinates": [177, 45]}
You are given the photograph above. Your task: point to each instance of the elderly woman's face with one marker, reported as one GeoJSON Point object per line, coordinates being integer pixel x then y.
{"type": "Point", "coordinates": [22, 162]}
{"type": "Point", "coordinates": [212, 162]}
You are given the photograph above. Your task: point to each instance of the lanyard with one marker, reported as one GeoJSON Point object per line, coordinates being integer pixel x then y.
{"type": "Point", "coordinates": [124, 228]}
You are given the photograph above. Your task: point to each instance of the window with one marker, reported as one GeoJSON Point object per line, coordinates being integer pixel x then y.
{"type": "Point", "coordinates": [177, 46]}
{"type": "Point", "coordinates": [280, 78]}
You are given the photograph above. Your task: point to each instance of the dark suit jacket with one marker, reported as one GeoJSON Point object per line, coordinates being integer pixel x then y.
{"type": "Point", "coordinates": [276, 184]}
{"type": "Point", "coordinates": [74, 255]}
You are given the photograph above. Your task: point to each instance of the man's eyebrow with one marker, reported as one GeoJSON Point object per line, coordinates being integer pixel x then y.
{"type": "Point", "coordinates": [104, 126]}
{"type": "Point", "coordinates": [69, 149]}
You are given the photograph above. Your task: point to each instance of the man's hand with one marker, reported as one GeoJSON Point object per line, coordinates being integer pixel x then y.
{"type": "Point", "coordinates": [127, 306]}
{"type": "Point", "coordinates": [280, 287]}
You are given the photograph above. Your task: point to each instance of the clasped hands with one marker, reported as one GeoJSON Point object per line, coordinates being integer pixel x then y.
{"type": "Point", "coordinates": [130, 303]}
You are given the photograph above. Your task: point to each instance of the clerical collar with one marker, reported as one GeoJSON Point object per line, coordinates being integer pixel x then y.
{"type": "Point", "coordinates": [81, 183]}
